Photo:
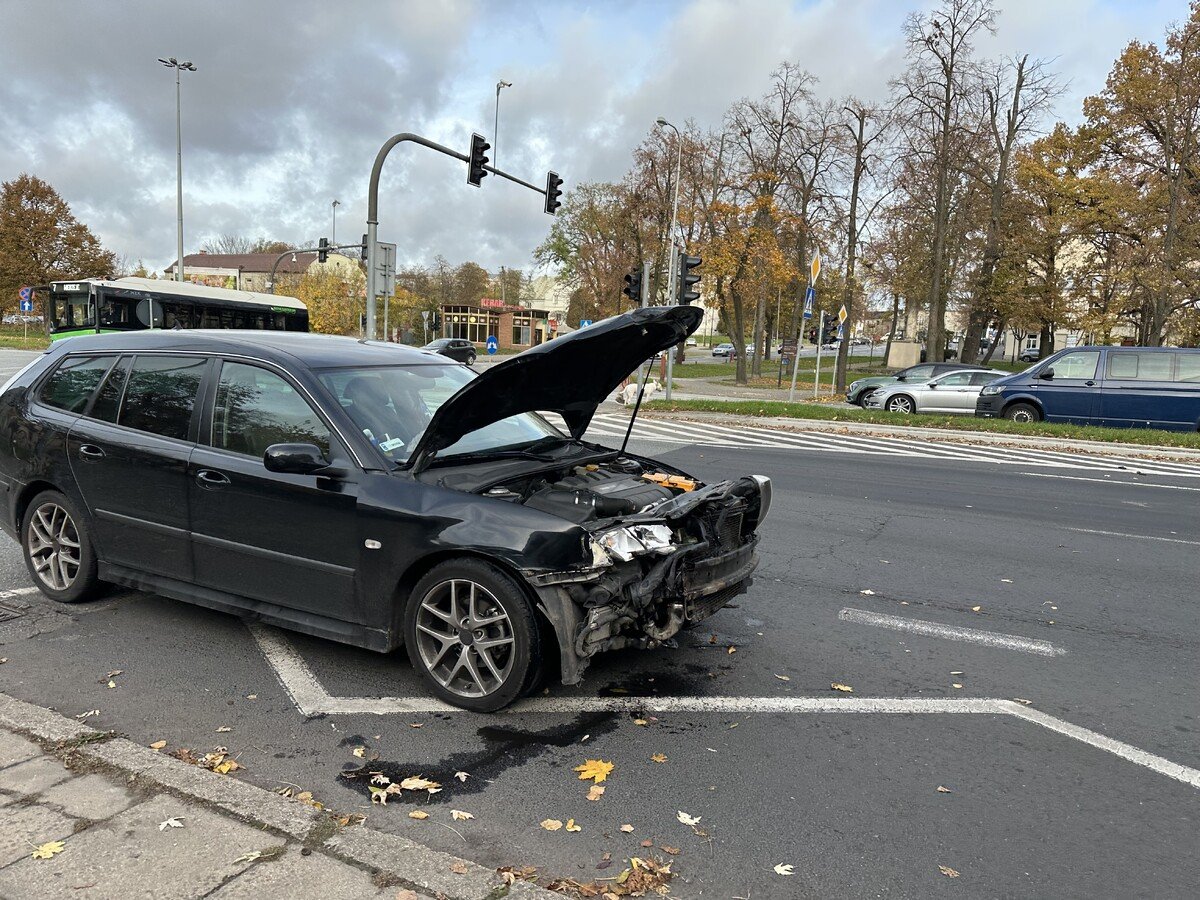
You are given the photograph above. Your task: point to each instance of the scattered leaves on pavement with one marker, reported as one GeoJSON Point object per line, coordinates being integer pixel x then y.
{"type": "Point", "coordinates": [418, 814]}
{"type": "Point", "coordinates": [173, 822]}
{"type": "Point", "coordinates": [595, 792]}
{"type": "Point", "coordinates": [158, 745]}
{"type": "Point", "coordinates": [88, 714]}
{"type": "Point", "coordinates": [458, 867]}
{"type": "Point", "coordinates": [784, 869]}
{"type": "Point", "coordinates": [380, 778]}
{"type": "Point", "coordinates": [627, 828]}
{"type": "Point", "coordinates": [459, 816]}
{"type": "Point", "coordinates": [673, 851]}
{"type": "Point", "coordinates": [360, 752]}
{"type": "Point", "coordinates": [378, 795]}
{"type": "Point", "coordinates": [48, 849]}
{"type": "Point", "coordinates": [571, 826]}
{"type": "Point", "coordinates": [948, 872]}
{"type": "Point", "coordinates": [659, 757]}
{"type": "Point", "coordinates": [555, 824]}
{"type": "Point", "coordinates": [688, 820]}
{"type": "Point", "coordinates": [837, 686]}
{"type": "Point", "coordinates": [462, 776]}
{"type": "Point", "coordinates": [111, 683]}
{"type": "Point", "coordinates": [304, 797]}
{"type": "Point", "coordinates": [597, 770]}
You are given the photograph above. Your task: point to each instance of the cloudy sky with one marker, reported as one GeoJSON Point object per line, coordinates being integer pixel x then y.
{"type": "Point", "coordinates": [292, 100]}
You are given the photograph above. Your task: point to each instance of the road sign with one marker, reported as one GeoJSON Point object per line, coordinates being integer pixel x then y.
{"type": "Point", "coordinates": [492, 344]}
{"type": "Point", "coordinates": [385, 280]}
{"type": "Point", "coordinates": [584, 323]}
{"type": "Point", "coordinates": [815, 267]}
{"type": "Point", "coordinates": [842, 315]}
{"type": "Point", "coordinates": [26, 294]}
{"type": "Point", "coordinates": [809, 297]}
{"type": "Point", "coordinates": [788, 348]}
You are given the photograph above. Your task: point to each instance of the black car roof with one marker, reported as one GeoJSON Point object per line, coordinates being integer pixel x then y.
{"type": "Point", "coordinates": [315, 351]}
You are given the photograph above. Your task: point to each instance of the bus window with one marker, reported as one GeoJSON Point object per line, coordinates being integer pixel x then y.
{"type": "Point", "coordinates": [70, 312]}
{"type": "Point", "coordinates": [177, 315]}
{"type": "Point", "coordinates": [116, 313]}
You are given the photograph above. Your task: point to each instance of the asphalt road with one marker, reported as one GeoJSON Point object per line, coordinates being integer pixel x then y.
{"type": "Point", "coordinates": [849, 798]}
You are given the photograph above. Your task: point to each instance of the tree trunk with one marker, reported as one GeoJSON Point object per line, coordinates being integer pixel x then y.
{"type": "Point", "coordinates": [738, 337]}
{"type": "Point", "coordinates": [887, 351]}
{"type": "Point", "coordinates": [987, 357]}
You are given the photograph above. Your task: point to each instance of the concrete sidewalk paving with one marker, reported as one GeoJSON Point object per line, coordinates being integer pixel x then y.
{"type": "Point", "coordinates": [134, 822]}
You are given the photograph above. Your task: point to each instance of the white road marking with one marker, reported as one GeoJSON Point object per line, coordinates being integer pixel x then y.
{"type": "Point", "coordinates": [17, 592]}
{"type": "Point", "coordinates": [1140, 537]}
{"type": "Point", "coordinates": [1168, 487]}
{"type": "Point", "coordinates": [951, 632]}
{"type": "Point", "coordinates": [312, 699]}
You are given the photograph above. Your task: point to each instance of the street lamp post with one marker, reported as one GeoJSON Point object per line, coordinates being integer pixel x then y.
{"type": "Point", "coordinates": [671, 255]}
{"type": "Point", "coordinates": [496, 123]}
{"type": "Point", "coordinates": [172, 63]}
{"type": "Point", "coordinates": [333, 231]}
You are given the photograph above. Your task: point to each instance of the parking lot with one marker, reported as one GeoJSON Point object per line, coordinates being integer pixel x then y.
{"type": "Point", "coordinates": [1021, 653]}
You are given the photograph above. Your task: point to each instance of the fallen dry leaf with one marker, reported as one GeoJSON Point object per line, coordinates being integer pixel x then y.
{"type": "Point", "coordinates": [173, 822]}
{"type": "Point", "coordinates": [842, 687]}
{"type": "Point", "coordinates": [459, 816]}
{"type": "Point", "coordinates": [1007, 580]}
{"type": "Point", "coordinates": [647, 843]}
{"type": "Point", "coordinates": [595, 769]}
{"type": "Point", "coordinates": [417, 783]}
{"type": "Point", "coordinates": [47, 850]}
{"type": "Point", "coordinates": [416, 724]}
{"type": "Point", "coordinates": [673, 851]}
{"type": "Point", "coordinates": [948, 872]}
{"type": "Point", "coordinates": [458, 868]}
{"type": "Point", "coordinates": [249, 857]}
{"type": "Point", "coordinates": [868, 592]}
{"type": "Point", "coordinates": [659, 757]}
{"type": "Point", "coordinates": [976, 608]}
{"type": "Point", "coordinates": [158, 745]}
{"type": "Point", "coordinates": [406, 894]}
{"type": "Point", "coordinates": [379, 795]}
{"type": "Point", "coordinates": [571, 826]}
{"type": "Point", "coordinates": [732, 650]}
{"type": "Point", "coordinates": [942, 789]}
{"type": "Point", "coordinates": [595, 792]}
{"type": "Point", "coordinates": [462, 776]}
{"type": "Point", "coordinates": [555, 824]}
{"type": "Point", "coordinates": [783, 677]}
{"type": "Point", "coordinates": [784, 869]}
{"type": "Point", "coordinates": [380, 778]}
{"type": "Point", "coordinates": [640, 722]}
{"type": "Point", "coordinates": [955, 685]}
{"type": "Point", "coordinates": [627, 828]}
{"type": "Point", "coordinates": [360, 752]}
{"type": "Point", "coordinates": [221, 729]}
{"type": "Point", "coordinates": [252, 696]}
{"type": "Point", "coordinates": [1023, 700]}
{"type": "Point", "coordinates": [688, 820]}
{"type": "Point", "coordinates": [88, 714]}
{"type": "Point", "coordinates": [111, 683]}
{"type": "Point", "coordinates": [418, 814]}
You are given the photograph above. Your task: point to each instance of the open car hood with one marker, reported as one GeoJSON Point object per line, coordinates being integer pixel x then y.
{"type": "Point", "coordinates": [570, 375]}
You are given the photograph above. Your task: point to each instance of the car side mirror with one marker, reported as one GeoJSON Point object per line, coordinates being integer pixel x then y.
{"type": "Point", "coordinates": [1048, 374]}
{"type": "Point", "coordinates": [299, 459]}
{"type": "Point", "coordinates": [933, 384]}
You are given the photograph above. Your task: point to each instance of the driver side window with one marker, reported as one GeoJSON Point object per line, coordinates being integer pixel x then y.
{"type": "Point", "coordinates": [256, 408]}
{"type": "Point", "coordinates": [958, 379]}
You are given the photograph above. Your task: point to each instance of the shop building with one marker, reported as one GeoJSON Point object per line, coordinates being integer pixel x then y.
{"type": "Point", "coordinates": [515, 327]}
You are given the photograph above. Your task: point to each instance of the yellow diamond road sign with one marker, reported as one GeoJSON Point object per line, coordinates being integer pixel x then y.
{"type": "Point", "coordinates": [815, 268]}
{"type": "Point", "coordinates": [842, 315]}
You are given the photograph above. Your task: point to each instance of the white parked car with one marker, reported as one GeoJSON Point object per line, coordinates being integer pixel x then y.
{"type": "Point", "coordinates": [954, 392]}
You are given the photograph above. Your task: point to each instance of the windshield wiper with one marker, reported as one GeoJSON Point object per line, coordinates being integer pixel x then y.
{"type": "Point", "coordinates": [529, 451]}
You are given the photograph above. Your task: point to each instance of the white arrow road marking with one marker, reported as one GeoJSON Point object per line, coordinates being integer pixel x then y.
{"type": "Point", "coordinates": [951, 632]}
{"type": "Point", "coordinates": [312, 699]}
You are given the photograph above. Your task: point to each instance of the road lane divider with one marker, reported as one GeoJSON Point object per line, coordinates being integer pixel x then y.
{"type": "Point", "coordinates": [951, 632]}
{"type": "Point", "coordinates": [1167, 487]}
{"type": "Point", "coordinates": [1140, 537]}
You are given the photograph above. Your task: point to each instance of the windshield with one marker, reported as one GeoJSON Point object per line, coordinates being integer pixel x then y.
{"type": "Point", "coordinates": [393, 405]}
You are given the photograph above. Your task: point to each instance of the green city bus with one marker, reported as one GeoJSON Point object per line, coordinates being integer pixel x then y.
{"type": "Point", "coordinates": [93, 305]}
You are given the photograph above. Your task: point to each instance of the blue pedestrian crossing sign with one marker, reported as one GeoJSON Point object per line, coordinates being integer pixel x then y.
{"type": "Point", "coordinates": [810, 295]}
{"type": "Point", "coordinates": [584, 323]}
{"type": "Point", "coordinates": [26, 295]}
{"type": "Point", "coordinates": [492, 344]}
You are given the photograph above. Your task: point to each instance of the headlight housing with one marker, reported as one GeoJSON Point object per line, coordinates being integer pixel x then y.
{"type": "Point", "coordinates": [989, 390]}
{"type": "Point", "coordinates": [854, 386]}
{"type": "Point", "coordinates": [627, 541]}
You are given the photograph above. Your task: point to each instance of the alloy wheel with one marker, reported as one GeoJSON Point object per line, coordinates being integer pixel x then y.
{"type": "Point", "coordinates": [54, 546]}
{"type": "Point", "coordinates": [465, 638]}
{"type": "Point", "coordinates": [900, 405]}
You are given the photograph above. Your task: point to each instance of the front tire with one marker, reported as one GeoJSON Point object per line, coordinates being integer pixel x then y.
{"type": "Point", "coordinates": [472, 635]}
{"type": "Point", "coordinates": [471, 359]}
{"type": "Point", "coordinates": [901, 403]}
{"type": "Point", "coordinates": [58, 550]}
{"type": "Point", "coordinates": [1022, 412]}
{"type": "Point", "coordinates": [862, 398]}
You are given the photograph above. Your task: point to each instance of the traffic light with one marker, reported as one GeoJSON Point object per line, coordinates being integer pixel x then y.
{"type": "Point", "coordinates": [830, 332]}
{"type": "Point", "coordinates": [475, 165]}
{"type": "Point", "coordinates": [633, 286]}
{"type": "Point", "coordinates": [688, 280]}
{"type": "Point", "coordinates": [363, 255]}
{"type": "Point", "coordinates": [323, 250]}
{"type": "Point", "coordinates": [553, 192]}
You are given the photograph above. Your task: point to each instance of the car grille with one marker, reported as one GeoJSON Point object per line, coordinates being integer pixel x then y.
{"type": "Point", "coordinates": [703, 607]}
{"type": "Point", "coordinates": [729, 531]}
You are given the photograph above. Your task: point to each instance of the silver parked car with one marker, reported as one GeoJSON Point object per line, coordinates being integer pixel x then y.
{"type": "Point", "coordinates": [954, 392]}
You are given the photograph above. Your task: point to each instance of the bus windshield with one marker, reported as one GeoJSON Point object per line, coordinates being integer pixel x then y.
{"type": "Point", "coordinates": [71, 311]}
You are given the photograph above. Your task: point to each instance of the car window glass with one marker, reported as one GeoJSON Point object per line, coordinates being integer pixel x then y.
{"type": "Point", "coordinates": [916, 373]}
{"type": "Point", "coordinates": [983, 377]}
{"type": "Point", "coordinates": [1124, 365]}
{"type": "Point", "coordinates": [1187, 367]}
{"type": "Point", "coordinates": [160, 394]}
{"type": "Point", "coordinates": [955, 380]}
{"type": "Point", "coordinates": [72, 383]}
{"type": "Point", "coordinates": [108, 399]}
{"type": "Point", "coordinates": [256, 408]}
{"type": "Point", "coordinates": [1081, 364]}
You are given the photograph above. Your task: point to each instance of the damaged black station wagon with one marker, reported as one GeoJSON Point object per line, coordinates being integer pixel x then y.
{"type": "Point", "coordinates": [375, 495]}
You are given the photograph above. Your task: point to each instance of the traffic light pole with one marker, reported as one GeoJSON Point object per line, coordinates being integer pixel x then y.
{"type": "Point", "coordinates": [373, 206]}
{"type": "Point", "coordinates": [279, 259]}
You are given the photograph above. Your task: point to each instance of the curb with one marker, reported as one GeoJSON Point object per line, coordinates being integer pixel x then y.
{"type": "Point", "coordinates": [413, 865]}
{"type": "Point", "coordinates": [1035, 442]}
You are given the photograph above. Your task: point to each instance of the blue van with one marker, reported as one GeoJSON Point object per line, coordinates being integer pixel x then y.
{"type": "Point", "coordinates": [1123, 387]}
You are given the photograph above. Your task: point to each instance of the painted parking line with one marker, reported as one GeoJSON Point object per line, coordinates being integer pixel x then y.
{"type": "Point", "coordinates": [312, 699]}
{"type": "Point", "coordinates": [952, 632]}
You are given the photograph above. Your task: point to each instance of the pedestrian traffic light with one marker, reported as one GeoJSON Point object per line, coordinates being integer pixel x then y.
{"type": "Point", "coordinates": [553, 192]}
{"type": "Point", "coordinates": [633, 286]}
{"type": "Point", "coordinates": [475, 165]}
{"type": "Point", "coordinates": [323, 250]}
{"type": "Point", "coordinates": [687, 280]}
{"type": "Point", "coordinates": [363, 255]}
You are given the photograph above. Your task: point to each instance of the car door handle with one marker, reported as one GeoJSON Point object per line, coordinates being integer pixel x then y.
{"type": "Point", "coordinates": [209, 478]}
{"type": "Point", "coordinates": [90, 452]}
{"type": "Point", "coordinates": [1090, 383]}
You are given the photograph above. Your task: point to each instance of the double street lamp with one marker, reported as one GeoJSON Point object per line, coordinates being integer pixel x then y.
{"type": "Point", "coordinates": [172, 63]}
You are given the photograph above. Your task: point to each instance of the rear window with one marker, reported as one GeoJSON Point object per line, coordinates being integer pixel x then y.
{"type": "Point", "coordinates": [161, 393]}
{"type": "Point", "coordinates": [70, 386]}
{"type": "Point", "coordinates": [1187, 367]}
{"type": "Point", "coordinates": [1124, 365]}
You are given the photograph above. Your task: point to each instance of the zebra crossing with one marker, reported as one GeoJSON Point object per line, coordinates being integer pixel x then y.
{"type": "Point", "coordinates": [608, 428]}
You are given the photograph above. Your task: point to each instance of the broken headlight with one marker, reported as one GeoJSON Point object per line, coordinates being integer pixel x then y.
{"type": "Point", "coordinates": [628, 541]}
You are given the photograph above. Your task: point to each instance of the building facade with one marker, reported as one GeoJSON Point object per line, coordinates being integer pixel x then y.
{"type": "Point", "coordinates": [515, 327]}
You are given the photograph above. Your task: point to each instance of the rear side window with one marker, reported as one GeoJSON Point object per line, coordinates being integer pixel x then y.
{"type": "Point", "coordinates": [161, 393]}
{"type": "Point", "coordinates": [983, 378]}
{"type": "Point", "coordinates": [256, 408]}
{"type": "Point", "coordinates": [1124, 365]}
{"type": "Point", "coordinates": [108, 400]}
{"type": "Point", "coordinates": [1187, 367]}
{"type": "Point", "coordinates": [70, 386]}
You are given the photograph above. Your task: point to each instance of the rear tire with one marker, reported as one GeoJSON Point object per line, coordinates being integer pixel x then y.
{"type": "Point", "coordinates": [472, 635]}
{"type": "Point", "coordinates": [862, 398]}
{"type": "Point", "coordinates": [471, 359]}
{"type": "Point", "coordinates": [1022, 412]}
{"type": "Point", "coordinates": [58, 550]}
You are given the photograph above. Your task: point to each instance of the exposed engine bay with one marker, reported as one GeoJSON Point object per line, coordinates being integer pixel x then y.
{"type": "Point", "coordinates": [664, 549]}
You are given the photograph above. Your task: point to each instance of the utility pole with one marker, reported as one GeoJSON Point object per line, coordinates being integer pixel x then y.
{"type": "Point", "coordinates": [172, 63]}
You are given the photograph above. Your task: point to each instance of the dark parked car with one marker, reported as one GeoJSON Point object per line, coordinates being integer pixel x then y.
{"type": "Point", "coordinates": [372, 494]}
{"type": "Point", "coordinates": [455, 348]}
